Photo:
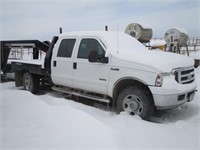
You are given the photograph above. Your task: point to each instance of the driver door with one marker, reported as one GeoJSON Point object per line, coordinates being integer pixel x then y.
{"type": "Point", "coordinates": [90, 76]}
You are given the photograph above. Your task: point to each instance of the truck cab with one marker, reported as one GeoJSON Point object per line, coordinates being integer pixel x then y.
{"type": "Point", "coordinates": [71, 66]}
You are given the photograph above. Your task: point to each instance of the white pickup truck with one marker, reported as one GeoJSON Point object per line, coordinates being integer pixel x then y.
{"type": "Point", "coordinates": [114, 68]}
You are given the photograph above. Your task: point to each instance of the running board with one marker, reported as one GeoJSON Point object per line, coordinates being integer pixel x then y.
{"type": "Point", "coordinates": [85, 95]}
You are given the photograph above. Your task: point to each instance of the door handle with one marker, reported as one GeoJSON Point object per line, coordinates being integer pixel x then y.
{"type": "Point", "coordinates": [74, 65]}
{"type": "Point", "coordinates": [54, 63]}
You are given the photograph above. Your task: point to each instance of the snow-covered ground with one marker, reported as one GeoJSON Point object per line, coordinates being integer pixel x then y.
{"type": "Point", "coordinates": [49, 121]}
{"type": "Point", "coordinates": [195, 54]}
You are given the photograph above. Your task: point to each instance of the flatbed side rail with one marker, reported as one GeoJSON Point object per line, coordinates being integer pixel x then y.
{"type": "Point", "coordinates": [32, 68]}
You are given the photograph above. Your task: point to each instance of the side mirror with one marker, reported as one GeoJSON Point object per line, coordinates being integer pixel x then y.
{"type": "Point", "coordinates": [94, 57]}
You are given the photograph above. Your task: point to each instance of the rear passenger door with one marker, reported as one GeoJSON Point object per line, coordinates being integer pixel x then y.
{"type": "Point", "coordinates": [62, 65]}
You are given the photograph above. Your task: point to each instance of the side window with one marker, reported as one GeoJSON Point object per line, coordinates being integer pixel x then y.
{"type": "Point", "coordinates": [88, 45]}
{"type": "Point", "coordinates": [66, 48]}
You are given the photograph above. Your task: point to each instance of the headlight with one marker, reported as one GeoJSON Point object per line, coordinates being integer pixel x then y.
{"type": "Point", "coordinates": [159, 78]}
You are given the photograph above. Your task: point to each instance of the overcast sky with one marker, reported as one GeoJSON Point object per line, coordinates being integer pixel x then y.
{"type": "Point", "coordinates": [41, 19]}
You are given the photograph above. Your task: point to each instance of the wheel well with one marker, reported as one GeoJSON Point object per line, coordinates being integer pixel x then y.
{"type": "Point", "coordinates": [127, 83]}
{"type": "Point", "coordinates": [19, 77]}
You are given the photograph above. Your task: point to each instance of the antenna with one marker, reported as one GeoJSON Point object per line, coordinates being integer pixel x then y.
{"type": "Point", "coordinates": [60, 30]}
{"type": "Point", "coordinates": [106, 28]}
{"type": "Point", "coordinates": [117, 38]}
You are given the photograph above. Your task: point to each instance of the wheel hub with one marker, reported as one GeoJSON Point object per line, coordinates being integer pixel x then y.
{"type": "Point", "coordinates": [133, 105]}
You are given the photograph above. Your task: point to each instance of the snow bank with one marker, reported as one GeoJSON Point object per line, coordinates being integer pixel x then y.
{"type": "Point", "coordinates": [45, 121]}
{"type": "Point", "coordinates": [48, 121]}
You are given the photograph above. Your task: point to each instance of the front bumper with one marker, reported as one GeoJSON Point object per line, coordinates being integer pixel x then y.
{"type": "Point", "coordinates": [172, 94]}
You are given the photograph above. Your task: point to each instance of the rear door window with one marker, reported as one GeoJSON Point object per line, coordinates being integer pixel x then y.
{"type": "Point", "coordinates": [66, 48]}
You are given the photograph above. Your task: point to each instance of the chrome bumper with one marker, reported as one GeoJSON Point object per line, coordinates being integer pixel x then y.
{"type": "Point", "coordinates": [172, 94]}
{"type": "Point", "coordinates": [172, 101]}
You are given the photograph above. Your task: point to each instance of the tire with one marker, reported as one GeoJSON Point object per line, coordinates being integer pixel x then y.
{"type": "Point", "coordinates": [31, 82]}
{"type": "Point", "coordinates": [136, 101]}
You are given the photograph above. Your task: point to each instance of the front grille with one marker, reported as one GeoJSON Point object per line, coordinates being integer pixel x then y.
{"type": "Point", "coordinates": [184, 75]}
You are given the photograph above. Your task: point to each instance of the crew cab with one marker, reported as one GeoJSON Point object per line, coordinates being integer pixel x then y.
{"type": "Point", "coordinates": [114, 68]}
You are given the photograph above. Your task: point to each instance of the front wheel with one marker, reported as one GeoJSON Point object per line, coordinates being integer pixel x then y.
{"type": "Point", "coordinates": [135, 101]}
{"type": "Point", "coordinates": [31, 82]}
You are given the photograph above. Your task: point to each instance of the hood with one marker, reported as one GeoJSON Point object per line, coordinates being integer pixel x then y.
{"type": "Point", "coordinates": [123, 46]}
{"type": "Point", "coordinates": [161, 61]}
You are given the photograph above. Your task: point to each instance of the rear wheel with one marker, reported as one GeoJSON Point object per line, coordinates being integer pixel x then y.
{"type": "Point", "coordinates": [135, 101]}
{"type": "Point", "coordinates": [31, 82]}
